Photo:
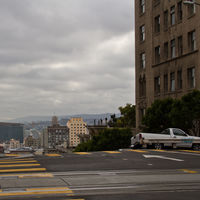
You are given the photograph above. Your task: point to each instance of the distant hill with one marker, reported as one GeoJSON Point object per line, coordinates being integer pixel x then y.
{"type": "Point", "coordinates": [88, 118]}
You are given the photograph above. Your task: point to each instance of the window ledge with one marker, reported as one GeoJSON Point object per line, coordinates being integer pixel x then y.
{"type": "Point", "coordinates": [156, 33]}
{"type": "Point", "coordinates": [176, 58]}
{"type": "Point", "coordinates": [141, 42]}
{"type": "Point", "coordinates": [192, 15]}
{"type": "Point", "coordinates": [142, 14]}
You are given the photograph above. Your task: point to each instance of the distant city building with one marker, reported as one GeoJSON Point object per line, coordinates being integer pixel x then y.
{"type": "Point", "coordinates": [57, 135]}
{"type": "Point", "coordinates": [167, 43]}
{"type": "Point", "coordinates": [44, 139]}
{"type": "Point", "coordinates": [10, 131]}
{"type": "Point", "coordinates": [14, 144]}
{"type": "Point", "coordinates": [77, 128]}
{"type": "Point", "coordinates": [33, 142]}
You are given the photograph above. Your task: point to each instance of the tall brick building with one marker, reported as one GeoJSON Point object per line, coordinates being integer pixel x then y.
{"type": "Point", "coordinates": [167, 41]}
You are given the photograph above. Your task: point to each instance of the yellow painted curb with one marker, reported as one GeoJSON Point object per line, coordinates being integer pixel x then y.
{"type": "Point", "coordinates": [140, 151]}
{"type": "Point", "coordinates": [82, 153]}
{"type": "Point", "coordinates": [12, 155]}
{"type": "Point", "coordinates": [112, 152]}
{"type": "Point", "coordinates": [189, 171]}
{"type": "Point", "coordinates": [52, 155]}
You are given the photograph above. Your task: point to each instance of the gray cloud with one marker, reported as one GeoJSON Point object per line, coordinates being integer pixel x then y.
{"type": "Point", "coordinates": [66, 56]}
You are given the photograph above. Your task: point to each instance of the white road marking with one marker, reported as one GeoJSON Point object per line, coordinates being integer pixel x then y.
{"type": "Point", "coordinates": [105, 188]}
{"type": "Point", "coordinates": [162, 157]}
{"type": "Point", "coordinates": [185, 153]}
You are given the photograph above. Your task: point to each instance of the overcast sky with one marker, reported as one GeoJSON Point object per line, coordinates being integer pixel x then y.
{"type": "Point", "coordinates": [65, 57]}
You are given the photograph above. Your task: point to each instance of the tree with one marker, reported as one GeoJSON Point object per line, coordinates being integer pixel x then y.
{"type": "Point", "coordinates": [108, 139]}
{"type": "Point", "coordinates": [157, 116]}
{"type": "Point", "coordinates": [127, 119]}
{"type": "Point", "coordinates": [182, 113]}
{"type": "Point", "coordinates": [185, 113]}
{"type": "Point", "coordinates": [128, 116]}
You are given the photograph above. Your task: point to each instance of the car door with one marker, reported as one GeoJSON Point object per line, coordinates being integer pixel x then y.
{"type": "Point", "coordinates": [184, 139]}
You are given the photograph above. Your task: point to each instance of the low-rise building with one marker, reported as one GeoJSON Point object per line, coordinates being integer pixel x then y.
{"type": "Point", "coordinates": [31, 141]}
{"type": "Point", "coordinates": [14, 144]}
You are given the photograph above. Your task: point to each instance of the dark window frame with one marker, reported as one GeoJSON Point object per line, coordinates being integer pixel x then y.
{"type": "Point", "coordinates": [172, 82]}
{"type": "Point", "coordinates": [180, 45]}
{"type": "Point", "coordinates": [172, 16]}
{"type": "Point", "coordinates": [157, 54]}
{"type": "Point", "coordinates": [157, 24]}
{"type": "Point", "coordinates": [142, 33]}
{"type": "Point", "coordinates": [191, 77]}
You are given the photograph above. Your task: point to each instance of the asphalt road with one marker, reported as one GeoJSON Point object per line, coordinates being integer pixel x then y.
{"type": "Point", "coordinates": [125, 174]}
{"type": "Point", "coordinates": [121, 160]}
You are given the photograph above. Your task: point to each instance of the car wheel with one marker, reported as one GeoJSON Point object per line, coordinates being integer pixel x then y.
{"type": "Point", "coordinates": [158, 146]}
{"type": "Point", "coordinates": [196, 147]}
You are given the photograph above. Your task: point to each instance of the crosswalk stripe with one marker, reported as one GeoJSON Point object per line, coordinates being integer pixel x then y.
{"type": "Point", "coordinates": [28, 161]}
{"type": "Point", "coordinates": [19, 165]}
{"type": "Point", "coordinates": [28, 175]}
{"type": "Point", "coordinates": [22, 170]}
{"type": "Point", "coordinates": [16, 159]}
{"type": "Point", "coordinates": [34, 193]}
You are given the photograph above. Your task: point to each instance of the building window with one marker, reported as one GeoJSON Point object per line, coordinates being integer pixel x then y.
{"type": "Point", "coordinates": [173, 49]}
{"type": "Point", "coordinates": [172, 82]}
{"type": "Point", "coordinates": [166, 50]}
{"type": "Point", "coordinates": [166, 20]}
{"type": "Point", "coordinates": [142, 6]}
{"type": "Point", "coordinates": [142, 33]}
{"type": "Point", "coordinates": [166, 83]}
{"type": "Point", "coordinates": [157, 54]}
{"type": "Point", "coordinates": [191, 77]}
{"type": "Point", "coordinates": [142, 60]}
{"type": "Point", "coordinates": [142, 87]}
{"type": "Point", "coordinates": [191, 9]}
{"type": "Point", "coordinates": [172, 15]}
{"type": "Point", "coordinates": [180, 11]}
{"type": "Point", "coordinates": [192, 40]}
{"type": "Point", "coordinates": [142, 112]}
{"type": "Point", "coordinates": [179, 79]}
{"type": "Point", "coordinates": [157, 85]}
{"type": "Point", "coordinates": [180, 45]}
{"type": "Point", "coordinates": [157, 24]}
